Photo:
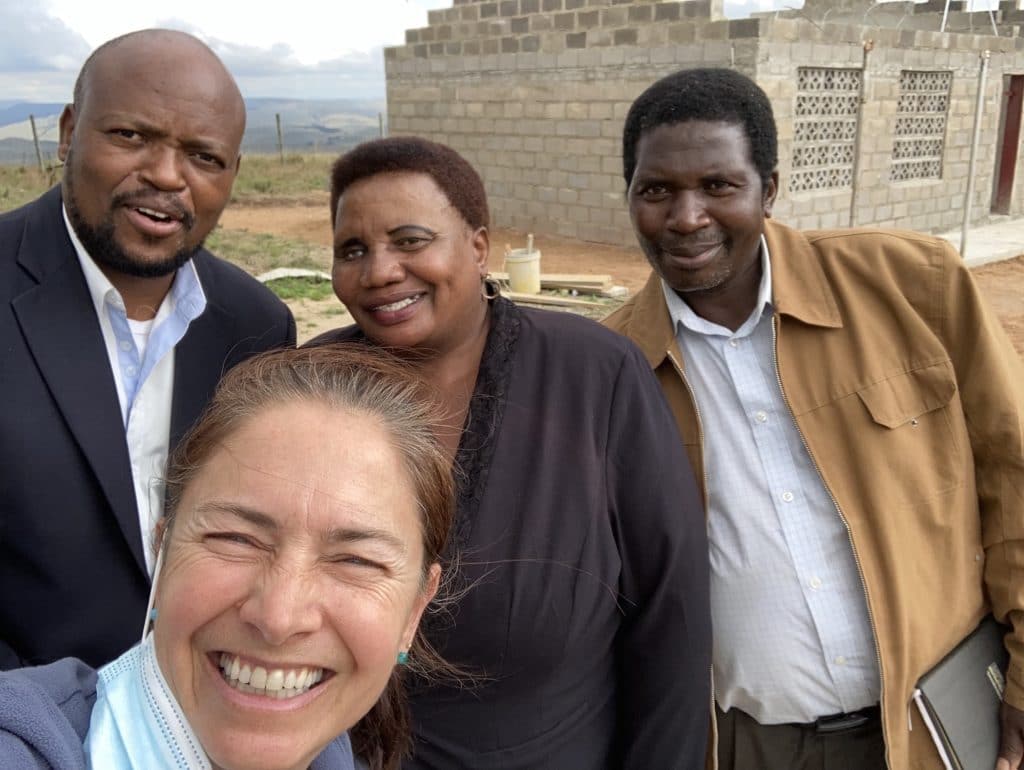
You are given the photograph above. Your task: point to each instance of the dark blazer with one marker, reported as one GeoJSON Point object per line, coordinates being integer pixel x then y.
{"type": "Point", "coordinates": [73, 580]}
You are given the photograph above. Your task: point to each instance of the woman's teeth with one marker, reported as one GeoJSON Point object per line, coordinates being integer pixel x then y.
{"type": "Point", "coordinates": [391, 308]}
{"type": "Point", "coordinates": [276, 683]}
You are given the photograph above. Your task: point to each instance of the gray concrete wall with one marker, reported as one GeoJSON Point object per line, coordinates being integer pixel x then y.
{"type": "Point", "coordinates": [925, 204]}
{"type": "Point", "coordinates": [534, 94]}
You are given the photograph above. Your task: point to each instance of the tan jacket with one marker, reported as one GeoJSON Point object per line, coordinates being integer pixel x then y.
{"type": "Point", "coordinates": [910, 399]}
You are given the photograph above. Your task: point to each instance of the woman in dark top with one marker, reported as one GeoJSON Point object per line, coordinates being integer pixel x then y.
{"type": "Point", "coordinates": [584, 620]}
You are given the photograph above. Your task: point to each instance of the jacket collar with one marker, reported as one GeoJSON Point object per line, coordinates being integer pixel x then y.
{"type": "Point", "coordinates": [799, 289]}
{"type": "Point", "coordinates": [651, 325]}
{"type": "Point", "coordinates": [799, 286]}
{"type": "Point", "coordinates": [48, 239]}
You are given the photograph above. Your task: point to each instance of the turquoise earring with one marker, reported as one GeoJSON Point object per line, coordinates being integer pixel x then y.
{"type": "Point", "coordinates": [403, 657]}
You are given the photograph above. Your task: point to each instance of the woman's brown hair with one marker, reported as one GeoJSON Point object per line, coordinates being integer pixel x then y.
{"type": "Point", "coordinates": [350, 377]}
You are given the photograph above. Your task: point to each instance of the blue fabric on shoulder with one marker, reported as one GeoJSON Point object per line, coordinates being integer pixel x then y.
{"type": "Point", "coordinates": [44, 715]}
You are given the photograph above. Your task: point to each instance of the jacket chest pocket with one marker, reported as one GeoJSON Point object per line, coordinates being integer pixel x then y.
{"type": "Point", "coordinates": [917, 432]}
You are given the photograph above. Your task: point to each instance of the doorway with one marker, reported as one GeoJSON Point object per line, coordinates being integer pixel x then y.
{"type": "Point", "coordinates": [1009, 141]}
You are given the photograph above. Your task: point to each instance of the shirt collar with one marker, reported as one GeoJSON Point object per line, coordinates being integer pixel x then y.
{"type": "Point", "coordinates": [682, 314]}
{"type": "Point", "coordinates": [186, 295]}
{"type": "Point", "coordinates": [100, 288]}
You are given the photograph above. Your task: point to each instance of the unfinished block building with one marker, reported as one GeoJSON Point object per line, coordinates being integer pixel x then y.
{"type": "Point", "coordinates": [876, 108]}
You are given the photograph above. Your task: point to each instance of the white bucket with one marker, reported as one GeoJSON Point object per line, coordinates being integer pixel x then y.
{"type": "Point", "coordinates": [523, 267]}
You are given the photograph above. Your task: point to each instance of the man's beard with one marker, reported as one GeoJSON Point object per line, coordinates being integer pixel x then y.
{"type": "Point", "coordinates": [100, 244]}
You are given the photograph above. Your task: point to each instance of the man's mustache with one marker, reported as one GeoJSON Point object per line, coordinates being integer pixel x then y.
{"type": "Point", "coordinates": [167, 204]}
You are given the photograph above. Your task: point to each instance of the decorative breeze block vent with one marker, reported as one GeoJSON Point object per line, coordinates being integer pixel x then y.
{"type": "Point", "coordinates": [825, 128]}
{"type": "Point", "coordinates": [920, 125]}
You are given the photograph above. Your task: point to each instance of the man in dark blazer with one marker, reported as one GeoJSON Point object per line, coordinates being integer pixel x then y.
{"type": "Point", "coordinates": [104, 290]}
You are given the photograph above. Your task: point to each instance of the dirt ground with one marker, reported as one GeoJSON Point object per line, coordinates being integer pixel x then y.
{"type": "Point", "coordinates": [1002, 282]}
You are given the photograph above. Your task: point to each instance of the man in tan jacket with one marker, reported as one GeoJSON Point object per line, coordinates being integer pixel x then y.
{"type": "Point", "coordinates": [856, 414]}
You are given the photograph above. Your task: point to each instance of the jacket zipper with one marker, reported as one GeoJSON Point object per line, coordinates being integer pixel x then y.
{"type": "Point", "coordinates": [842, 518]}
{"type": "Point", "coordinates": [704, 490]}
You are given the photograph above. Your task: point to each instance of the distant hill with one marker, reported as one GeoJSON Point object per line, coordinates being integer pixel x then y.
{"type": "Point", "coordinates": [20, 152]}
{"type": "Point", "coordinates": [19, 111]}
{"type": "Point", "coordinates": [307, 125]}
{"type": "Point", "coordinates": [310, 124]}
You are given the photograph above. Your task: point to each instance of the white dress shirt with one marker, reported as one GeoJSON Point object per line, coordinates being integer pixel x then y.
{"type": "Point", "coordinates": [792, 635]}
{"type": "Point", "coordinates": [141, 357]}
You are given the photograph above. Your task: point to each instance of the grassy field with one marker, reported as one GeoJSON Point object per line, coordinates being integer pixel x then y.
{"type": "Point", "coordinates": [259, 252]}
{"type": "Point", "coordinates": [21, 184]}
{"type": "Point", "coordinates": [264, 176]}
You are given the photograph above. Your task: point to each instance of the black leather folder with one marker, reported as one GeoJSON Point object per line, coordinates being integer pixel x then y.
{"type": "Point", "coordinates": [959, 699]}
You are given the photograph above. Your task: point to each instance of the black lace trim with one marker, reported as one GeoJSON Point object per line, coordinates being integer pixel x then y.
{"type": "Point", "coordinates": [483, 420]}
{"type": "Point", "coordinates": [483, 417]}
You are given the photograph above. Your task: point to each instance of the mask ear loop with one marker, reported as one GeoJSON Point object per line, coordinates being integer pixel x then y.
{"type": "Point", "coordinates": [147, 624]}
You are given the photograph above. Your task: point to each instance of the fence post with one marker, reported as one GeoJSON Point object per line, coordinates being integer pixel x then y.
{"type": "Point", "coordinates": [35, 141]}
{"type": "Point", "coordinates": [280, 137]}
{"type": "Point", "coordinates": [868, 46]}
{"type": "Point", "coordinates": [979, 110]}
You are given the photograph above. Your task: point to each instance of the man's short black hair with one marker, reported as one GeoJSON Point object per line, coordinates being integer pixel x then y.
{"type": "Point", "coordinates": [708, 93]}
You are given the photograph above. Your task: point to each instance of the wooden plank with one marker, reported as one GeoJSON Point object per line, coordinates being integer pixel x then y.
{"type": "Point", "coordinates": [566, 280]}
{"type": "Point", "coordinates": [598, 281]}
{"type": "Point", "coordinates": [551, 299]}
{"type": "Point", "coordinates": [586, 288]}
{"type": "Point", "coordinates": [292, 272]}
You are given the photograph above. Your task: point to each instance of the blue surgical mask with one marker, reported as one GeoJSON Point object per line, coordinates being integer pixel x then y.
{"type": "Point", "coordinates": [136, 722]}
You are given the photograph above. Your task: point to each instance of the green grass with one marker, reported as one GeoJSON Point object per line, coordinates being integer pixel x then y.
{"type": "Point", "coordinates": [259, 252]}
{"type": "Point", "coordinates": [21, 184]}
{"type": "Point", "coordinates": [264, 176]}
{"type": "Point", "coordinates": [315, 289]}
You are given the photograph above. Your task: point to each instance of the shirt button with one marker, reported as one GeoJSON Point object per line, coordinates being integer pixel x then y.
{"type": "Point", "coordinates": [787, 496]}
{"type": "Point", "coordinates": [125, 345]}
{"type": "Point", "coordinates": [761, 416]}
{"type": "Point", "coordinates": [734, 343]}
{"type": "Point", "coordinates": [840, 660]}
{"type": "Point", "coordinates": [815, 583]}
{"type": "Point", "coordinates": [130, 371]}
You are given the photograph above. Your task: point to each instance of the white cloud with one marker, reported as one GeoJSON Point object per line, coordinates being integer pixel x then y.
{"type": "Point", "coordinates": [31, 40]}
{"type": "Point", "coordinates": [304, 49]}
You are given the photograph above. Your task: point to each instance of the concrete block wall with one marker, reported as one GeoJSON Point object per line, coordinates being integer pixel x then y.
{"type": "Point", "coordinates": [534, 93]}
{"type": "Point", "coordinates": [926, 204]}
{"type": "Point", "coordinates": [539, 111]}
{"type": "Point", "coordinates": [784, 46]}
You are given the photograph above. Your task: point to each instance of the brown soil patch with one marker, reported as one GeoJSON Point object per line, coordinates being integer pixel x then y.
{"type": "Point", "coordinates": [1002, 282]}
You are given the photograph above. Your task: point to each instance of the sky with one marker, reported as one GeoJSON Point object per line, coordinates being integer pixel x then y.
{"type": "Point", "coordinates": [305, 49]}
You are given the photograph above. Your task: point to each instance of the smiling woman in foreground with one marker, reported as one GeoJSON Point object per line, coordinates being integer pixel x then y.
{"type": "Point", "coordinates": [306, 513]}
